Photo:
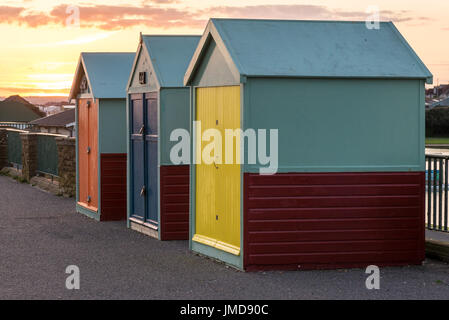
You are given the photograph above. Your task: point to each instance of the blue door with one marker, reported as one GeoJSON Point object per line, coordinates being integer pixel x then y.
{"type": "Point", "coordinates": [144, 150]}
{"type": "Point", "coordinates": [152, 158]}
{"type": "Point", "coordinates": [138, 158]}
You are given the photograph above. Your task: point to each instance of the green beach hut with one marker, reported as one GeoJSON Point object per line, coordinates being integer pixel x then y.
{"type": "Point", "coordinates": [345, 183]}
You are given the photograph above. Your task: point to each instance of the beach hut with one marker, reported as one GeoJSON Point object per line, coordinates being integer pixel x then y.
{"type": "Point", "coordinates": [99, 90]}
{"type": "Point", "coordinates": [338, 176]}
{"type": "Point", "coordinates": [158, 188]}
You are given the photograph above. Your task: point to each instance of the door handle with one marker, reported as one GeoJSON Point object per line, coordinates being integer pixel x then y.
{"type": "Point", "coordinates": [141, 129]}
{"type": "Point", "coordinates": [142, 191]}
{"type": "Point", "coordinates": [88, 150]}
{"type": "Point", "coordinates": [216, 167]}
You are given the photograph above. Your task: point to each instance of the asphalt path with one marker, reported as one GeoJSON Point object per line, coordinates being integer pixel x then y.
{"type": "Point", "coordinates": [41, 235]}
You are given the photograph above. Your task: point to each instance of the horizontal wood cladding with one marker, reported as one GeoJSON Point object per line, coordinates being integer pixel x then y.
{"type": "Point", "coordinates": [113, 186]}
{"type": "Point", "coordinates": [333, 220]}
{"type": "Point", "coordinates": [174, 188]}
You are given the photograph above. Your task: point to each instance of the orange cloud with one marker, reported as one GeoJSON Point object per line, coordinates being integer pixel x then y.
{"type": "Point", "coordinates": [114, 17]}
{"type": "Point", "coordinates": [9, 14]}
{"type": "Point", "coordinates": [300, 11]}
{"type": "Point", "coordinates": [106, 17]}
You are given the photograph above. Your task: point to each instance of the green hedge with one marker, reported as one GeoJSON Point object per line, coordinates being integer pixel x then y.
{"type": "Point", "coordinates": [437, 122]}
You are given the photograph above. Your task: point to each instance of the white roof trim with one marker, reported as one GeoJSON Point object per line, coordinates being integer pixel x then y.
{"type": "Point", "coordinates": [76, 80]}
{"type": "Point", "coordinates": [140, 49]}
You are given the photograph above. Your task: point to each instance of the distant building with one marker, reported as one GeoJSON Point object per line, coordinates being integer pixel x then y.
{"type": "Point", "coordinates": [441, 103]}
{"type": "Point", "coordinates": [59, 123]}
{"type": "Point", "coordinates": [17, 109]}
{"type": "Point", "coordinates": [49, 110]}
{"type": "Point", "coordinates": [441, 91]}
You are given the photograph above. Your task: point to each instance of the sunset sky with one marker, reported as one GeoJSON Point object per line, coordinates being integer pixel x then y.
{"type": "Point", "coordinates": [40, 44]}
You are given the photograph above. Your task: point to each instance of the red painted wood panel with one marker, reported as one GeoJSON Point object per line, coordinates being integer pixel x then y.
{"type": "Point", "coordinates": [113, 186]}
{"type": "Point", "coordinates": [174, 199]}
{"type": "Point", "coordinates": [333, 220]}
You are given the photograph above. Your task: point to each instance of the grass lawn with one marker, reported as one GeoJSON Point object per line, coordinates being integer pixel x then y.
{"type": "Point", "coordinates": [441, 140]}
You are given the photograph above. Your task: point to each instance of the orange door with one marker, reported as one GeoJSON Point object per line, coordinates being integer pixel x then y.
{"type": "Point", "coordinates": [88, 154]}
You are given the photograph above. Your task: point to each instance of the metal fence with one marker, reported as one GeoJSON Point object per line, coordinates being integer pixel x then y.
{"type": "Point", "coordinates": [437, 184]}
{"type": "Point", "coordinates": [15, 148]}
{"type": "Point", "coordinates": [16, 125]}
{"type": "Point", "coordinates": [47, 155]}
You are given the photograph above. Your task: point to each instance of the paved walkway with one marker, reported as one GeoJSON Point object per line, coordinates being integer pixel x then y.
{"type": "Point", "coordinates": [438, 151]}
{"type": "Point", "coordinates": [41, 234]}
{"type": "Point", "coordinates": [438, 235]}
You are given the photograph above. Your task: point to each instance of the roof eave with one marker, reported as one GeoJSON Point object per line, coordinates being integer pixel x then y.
{"type": "Point", "coordinates": [136, 58]}
{"type": "Point", "coordinates": [426, 72]}
{"type": "Point", "coordinates": [159, 79]}
{"type": "Point", "coordinates": [73, 89]}
{"type": "Point", "coordinates": [75, 84]}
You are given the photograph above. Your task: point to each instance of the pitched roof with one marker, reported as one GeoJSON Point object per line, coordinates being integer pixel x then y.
{"type": "Point", "coordinates": [60, 119]}
{"type": "Point", "coordinates": [14, 109]}
{"type": "Point", "coordinates": [298, 48]}
{"type": "Point", "coordinates": [170, 56]}
{"type": "Point", "coordinates": [107, 73]}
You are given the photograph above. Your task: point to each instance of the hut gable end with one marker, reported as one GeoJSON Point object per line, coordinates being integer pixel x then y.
{"type": "Point", "coordinates": [81, 84]}
{"type": "Point", "coordinates": [143, 65]}
{"type": "Point", "coordinates": [214, 69]}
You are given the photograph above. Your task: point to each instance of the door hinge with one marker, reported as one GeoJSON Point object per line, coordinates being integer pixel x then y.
{"type": "Point", "coordinates": [88, 150]}
{"type": "Point", "coordinates": [89, 199]}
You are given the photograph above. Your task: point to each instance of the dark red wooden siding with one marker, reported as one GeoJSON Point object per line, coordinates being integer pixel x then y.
{"type": "Point", "coordinates": [174, 188]}
{"type": "Point", "coordinates": [113, 186]}
{"type": "Point", "coordinates": [333, 220]}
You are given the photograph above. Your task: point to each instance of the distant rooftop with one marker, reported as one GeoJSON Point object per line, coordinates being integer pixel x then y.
{"type": "Point", "coordinates": [60, 119]}
{"type": "Point", "coordinates": [17, 109]}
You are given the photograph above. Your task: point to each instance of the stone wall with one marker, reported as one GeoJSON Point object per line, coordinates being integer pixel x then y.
{"type": "Point", "coordinates": [3, 148]}
{"type": "Point", "coordinates": [64, 184]}
{"type": "Point", "coordinates": [67, 166]}
{"type": "Point", "coordinates": [29, 155]}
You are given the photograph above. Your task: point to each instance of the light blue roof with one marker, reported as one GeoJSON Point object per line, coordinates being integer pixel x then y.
{"type": "Point", "coordinates": [107, 73]}
{"type": "Point", "coordinates": [170, 56]}
{"type": "Point", "coordinates": [295, 48]}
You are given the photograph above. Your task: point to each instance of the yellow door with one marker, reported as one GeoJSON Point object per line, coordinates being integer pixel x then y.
{"type": "Point", "coordinates": [218, 183]}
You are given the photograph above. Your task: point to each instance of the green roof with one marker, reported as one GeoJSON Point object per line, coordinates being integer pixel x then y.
{"type": "Point", "coordinates": [170, 56]}
{"type": "Point", "coordinates": [107, 73]}
{"type": "Point", "coordinates": [14, 111]}
{"type": "Point", "coordinates": [315, 49]}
